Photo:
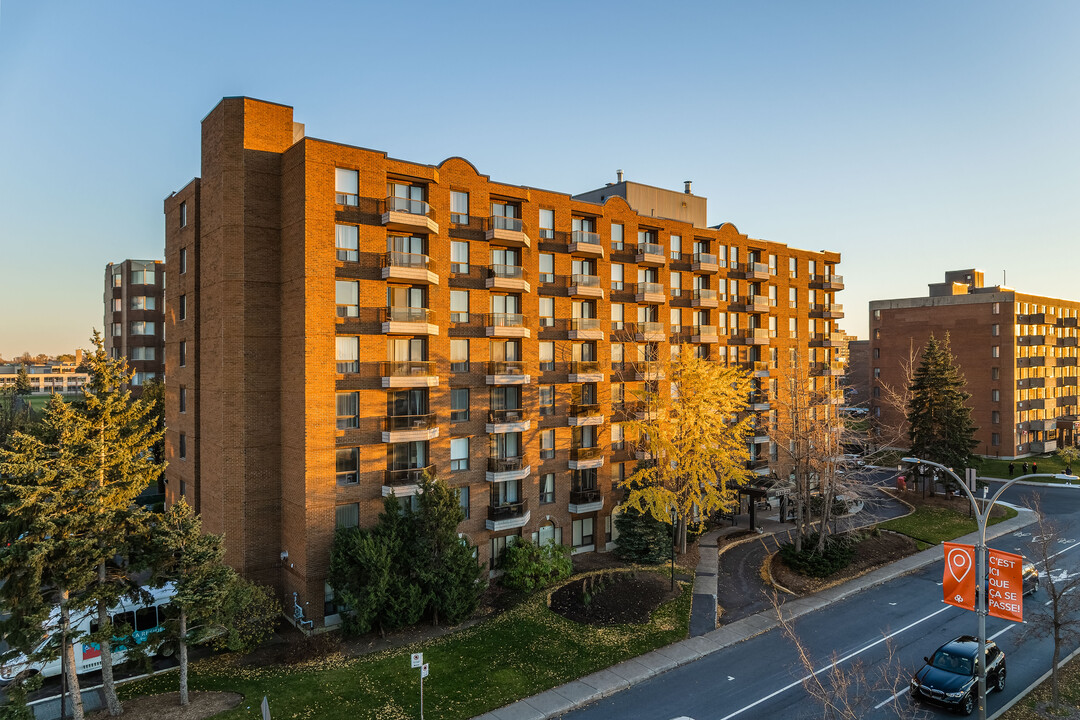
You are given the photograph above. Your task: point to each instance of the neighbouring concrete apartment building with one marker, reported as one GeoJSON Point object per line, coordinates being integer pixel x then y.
{"type": "Point", "coordinates": [1017, 351]}
{"type": "Point", "coordinates": [339, 322]}
{"type": "Point", "coordinates": [135, 318]}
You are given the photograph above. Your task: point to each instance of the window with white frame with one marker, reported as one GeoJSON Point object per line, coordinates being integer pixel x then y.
{"type": "Point", "coordinates": [459, 354]}
{"type": "Point", "coordinates": [183, 260]}
{"type": "Point", "coordinates": [616, 236]}
{"type": "Point", "coordinates": [547, 312]}
{"type": "Point", "coordinates": [346, 187]}
{"type": "Point", "coordinates": [145, 302]}
{"type": "Point", "coordinates": [547, 488]}
{"type": "Point", "coordinates": [547, 225]}
{"type": "Point", "coordinates": [547, 399]}
{"type": "Point", "coordinates": [182, 350]}
{"type": "Point", "coordinates": [183, 399]}
{"type": "Point", "coordinates": [617, 316]}
{"type": "Point", "coordinates": [142, 327]}
{"type": "Point", "coordinates": [676, 247]}
{"type": "Point", "coordinates": [183, 446]}
{"type": "Point", "coordinates": [347, 516]}
{"type": "Point", "coordinates": [459, 207]}
{"type": "Point", "coordinates": [183, 214]}
{"type": "Point", "coordinates": [459, 257]}
{"type": "Point", "coordinates": [547, 355]}
{"type": "Point", "coordinates": [583, 532]}
{"type": "Point", "coordinates": [459, 306]}
{"type": "Point", "coordinates": [118, 305]}
{"type": "Point", "coordinates": [547, 268]}
{"type": "Point", "coordinates": [547, 444]}
{"type": "Point", "coordinates": [347, 294]}
{"type": "Point", "coordinates": [347, 241]}
{"type": "Point", "coordinates": [676, 284]}
{"type": "Point", "coordinates": [459, 404]}
{"type": "Point", "coordinates": [348, 410]}
{"type": "Point", "coordinates": [348, 465]}
{"type": "Point", "coordinates": [463, 500]}
{"type": "Point", "coordinates": [348, 354]}
{"type": "Point", "coordinates": [459, 454]}
{"type": "Point", "coordinates": [181, 310]}
{"type": "Point", "coordinates": [617, 276]}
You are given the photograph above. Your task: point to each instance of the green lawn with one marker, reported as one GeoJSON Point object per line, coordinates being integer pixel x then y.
{"type": "Point", "coordinates": [1047, 464]}
{"type": "Point", "coordinates": [522, 652]}
{"type": "Point", "coordinates": [937, 525]}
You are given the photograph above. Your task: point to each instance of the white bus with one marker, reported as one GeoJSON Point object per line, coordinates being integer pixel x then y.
{"type": "Point", "coordinates": [145, 620]}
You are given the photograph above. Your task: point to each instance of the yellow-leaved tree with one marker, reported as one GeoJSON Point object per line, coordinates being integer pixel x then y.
{"type": "Point", "coordinates": [691, 442]}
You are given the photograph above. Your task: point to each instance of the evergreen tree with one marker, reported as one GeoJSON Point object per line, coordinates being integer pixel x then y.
{"type": "Point", "coordinates": [361, 567]}
{"type": "Point", "coordinates": [642, 538]}
{"type": "Point", "coordinates": [447, 567]}
{"type": "Point", "coordinates": [22, 381]}
{"type": "Point", "coordinates": [939, 422]}
{"type": "Point", "coordinates": [14, 414]}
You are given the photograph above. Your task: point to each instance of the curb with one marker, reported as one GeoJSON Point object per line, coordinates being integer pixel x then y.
{"type": "Point", "coordinates": [1027, 691]}
{"type": "Point", "coordinates": [578, 693]}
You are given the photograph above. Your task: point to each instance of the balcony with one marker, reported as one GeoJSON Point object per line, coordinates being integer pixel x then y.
{"type": "Point", "coordinates": [759, 368]}
{"type": "Point", "coordinates": [1067, 322]}
{"type": "Point", "coordinates": [508, 516]}
{"type": "Point", "coordinates": [832, 311]}
{"type": "Point", "coordinates": [407, 215]}
{"type": "Point", "coordinates": [1072, 381]}
{"type": "Point", "coordinates": [586, 243]}
{"type": "Point", "coordinates": [1063, 402]}
{"type": "Point", "coordinates": [507, 372]}
{"type": "Point", "coordinates": [408, 373]}
{"type": "Point", "coordinates": [585, 458]}
{"type": "Point", "coordinates": [585, 501]}
{"type": "Point", "coordinates": [1037, 404]}
{"type": "Point", "coordinates": [644, 455]}
{"type": "Point", "coordinates": [649, 292]}
{"type": "Point", "coordinates": [827, 369]}
{"type": "Point", "coordinates": [507, 277]}
{"type": "Point", "coordinates": [1066, 342]}
{"type": "Point", "coordinates": [501, 469]}
{"type": "Point", "coordinates": [830, 340]}
{"type": "Point", "coordinates": [758, 465]}
{"type": "Point", "coordinates": [759, 437]}
{"type": "Point", "coordinates": [649, 370]}
{"type": "Point", "coordinates": [408, 267]}
{"type": "Point", "coordinates": [705, 263]}
{"type": "Point", "coordinates": [585, 329]}
{"type": "Point", "coordinates": [827, 282]}
{"type": "Point", "coordinates": [409, 428]}
{"type": "Point", "coordinates": [1032, 340]}
{"type": "Point", "coordinates": [755, 271]}
{"type": "Point", "coordinates": [583, 371]}
{"type": "Point", "coordinates": [759, 402]}
{"type": "Point", "coordinates": [704, 334]}
{"type": "Point", "coordinates": [505, 421]}
{"type": "Point", "coordinates": [704, 298]}
{"type": "Point", "coordinates": [586, 286]}
{"type": "Point", "coordinates": [751, 336]}
{"type": "Point", "coordinates": [755, 303]}
{"type": "Point", "coordinates": [408, 321]}
{"type": "Point", "coordinates": [646, 331]}
{"type": "Point", "coordinates": [587, 414]}
{"type": "Point", "coordinates": [505, 231]}
{"type": "Point", "coordinates": [1032, 362]}
{"type": "Point", "coordinates": [1066, 362]}
{"type": "Point", "coordinates": [510, 325]}
{"type": "Point", "coordinates": [650, 254]}
{"type": "Point", "coordinates": [406, 481]}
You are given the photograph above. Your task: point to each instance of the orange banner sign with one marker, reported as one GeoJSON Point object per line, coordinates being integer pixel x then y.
{"type": "Point", "coordinates": [1005, 586]}
{"type": "Point", "coordinates": [958, 583]}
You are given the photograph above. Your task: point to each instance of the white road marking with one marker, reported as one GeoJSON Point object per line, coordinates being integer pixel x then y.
{"type": "Point", "coordinates": [897, 695]}
{"type": "Point", "coordinates": [730, 678]}
{"type": "Point", "coordinates": [892, 603]}
{"type": "Point", "coordinates": [847, 657]}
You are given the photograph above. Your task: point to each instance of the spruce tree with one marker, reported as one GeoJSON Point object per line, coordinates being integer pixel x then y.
{"type": "Point", "coordinates": [448, 570]}
{"type": "Point", "coordinates": [940, 427]}
{"type": "Point", "coordinates": [22, 381]}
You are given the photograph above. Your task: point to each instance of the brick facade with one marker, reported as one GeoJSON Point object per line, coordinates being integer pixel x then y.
{"type": "Point", "coordinates": [135, 317]}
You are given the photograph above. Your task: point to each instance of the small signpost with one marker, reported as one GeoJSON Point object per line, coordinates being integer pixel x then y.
{"type": "Point", "coordinates": [418, 662]}
{"type": "Point", "coordinates": [265, 709]}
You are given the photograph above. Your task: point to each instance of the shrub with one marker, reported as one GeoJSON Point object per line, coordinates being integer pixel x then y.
{"type": "Point", "coordinates": [837, 555]}
{"type": "Point", "coordinates": [527, 567]}
{"type": "Point", "coordinates": [642, 538]}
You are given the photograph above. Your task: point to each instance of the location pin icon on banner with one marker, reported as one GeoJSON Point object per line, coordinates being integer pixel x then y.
{"type": "Point", "coordinates": [958, 581]}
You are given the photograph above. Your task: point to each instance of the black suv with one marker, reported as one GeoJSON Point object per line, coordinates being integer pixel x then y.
{"type": "Point", "coordinates": [950, 676]}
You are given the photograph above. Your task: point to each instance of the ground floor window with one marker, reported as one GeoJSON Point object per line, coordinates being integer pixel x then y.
{"type": "Point", "coordinates": [497, 546]}
{"type": "Point", "coordinates": [583, 532]}
{"type": "Point", "coordinates": [548, 533]}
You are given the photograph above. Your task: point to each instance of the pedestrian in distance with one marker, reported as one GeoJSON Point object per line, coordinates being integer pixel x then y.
{"type": "Point", "coordinates": [1068, 469]}
{"type": "Point", "coordinates": [1024, 467]}
{"type": "Point", "coordinates": [1034, 467]}
{"type": "Point", "coordinates": [1011, 468]}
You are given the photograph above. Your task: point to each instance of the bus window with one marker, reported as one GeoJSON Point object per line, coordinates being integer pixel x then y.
{"type": "Point", "coordinates": [146, 618]}
{"type": "Point", "coordinates": [125, 618]}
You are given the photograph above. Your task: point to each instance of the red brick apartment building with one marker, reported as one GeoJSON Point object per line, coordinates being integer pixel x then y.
{"type": "Point", "coordinates": [353, 319]}
{"type": "Point", "coordinates": [135, 317]}
{"type": "Point", "coordinates": [1017, 351]}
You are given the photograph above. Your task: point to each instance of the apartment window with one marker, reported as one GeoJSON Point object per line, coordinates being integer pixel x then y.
{"type": "Point", "coordinates": [877, 373]}
{"type": "Point", "coordinates": [347, 187]}
{"type": "Point", "coordinates": [348, 298]}
{"type": "Point", "coordinates": [348, 354]}
{"type": "Point", "coordinates": [995, 373]}
{"type": "Point", "coordinates": [675, 318]}
{"type": "Point", "coordinates": [547, 488]}
{"type": "Point", "coordinates": [459, 404]}
{"type": "Point", "coordinates": [617, 276]}
{"type": "Point", "coordinates": [459, 207]}
{"type": "Point", "coordinates": [792, 328]}
{"type": "Point", "coordinates": [676, 284]}
{"type": "Point", "coordinates": [183, 399]}
{"type": "Point", "coordinates": [547, 312]}
{"type": "Point", "coordinates": [547, 268]}
{"type": "Point", "coordinates": [347, 240]}
{"type": "Point", "coordinates": [142, 277]}
{"type": "Point", "coordinates": [995, 439]}
{"type": "Point", "coordinates": [995, 351]}
{"type": "Point", "coordinates": [875, 392]}
{"type": "Point", "coordinates": [459, 355]}
{"type": "Point", "coordinates": [547, 399]}
{"type": "Point", "coordinates": [547, 226]}
{"type": "Point", "coordinates": [995, 329]}
{"type": "Point", "coordinates": [183, 353]}
{"type": "Point", "coordinates": [181, 310]}
{"type": "Point", "coordinates": [459, 257]}
{"type": "Point", "coordinates": [996, 308]}
{"type": "Point", "coordinates": [676, 247]}
{"type": "Point", "coordinates": [547, 355]}
{"type": "Point", "coordinates": [877, 353]}
{"type": "Point", "coordinates": [183, 260]}
{"type": "Point", "coordinates": [463, 500]}
{"type": "Point", "coordinates": [348, 410]}
{"type": "Point", "coordinates": [618, 437]}
{"type": "Point", "coordinates": [995, 417]}
{"type": "Point", "coordinates": [348, 466]}
{"type": "Point", "coordinates": [183, 214]}
{"type": "Point", "coordinates": [547, 444]}
{"type": "Point", "coordinates": [347, 516]}
{"type": "Point", "coordinates": [583, 532]}
{"type": "Point", "coordinates": [142, 327]}
{"type": "Point", "coordinates": [793, 268]}
{"type": "Point", "coordinates": [995, 395]}
{"type": "Point", "coordinates": [143, 302]}
{"type": "Point", "coordinates": [772, 326]}
{"type": "Point", "coordinates": [117, 280]}
{"type": "Point", "coordinates": [459, 306]}
{"type": "Point", "coordinates": [616, 236]}
{"type": "Point", "coordinates": [459, 454]}
{"type": "Point", "coordinates": [183, 446]}
{"type": "Point", "coordinates": [118, 305]}
{"type": "Point", "coordinates": [877, 334]}
{"type": "Point", "coordinates": [772, 264]}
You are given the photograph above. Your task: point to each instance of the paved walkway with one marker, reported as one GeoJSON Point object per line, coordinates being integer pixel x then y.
{"type": "Point", "coordinates": [572, 695]}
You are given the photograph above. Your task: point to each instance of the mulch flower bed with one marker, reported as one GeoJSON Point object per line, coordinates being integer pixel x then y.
{"type": "Point", "coordinates": [615, 598]}
{"type": "Point", "coordinates": [870, 554]}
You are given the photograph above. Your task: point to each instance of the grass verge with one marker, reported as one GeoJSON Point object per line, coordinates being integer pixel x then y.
{"type": "Point", "coordinates": [1069, 687]}
{"type": "Point", "coordinates": [1047, 464]}
{"type": "Point", "coordinates": [522, 652]}
{"type": "Point", "coordinates": [935, 525]}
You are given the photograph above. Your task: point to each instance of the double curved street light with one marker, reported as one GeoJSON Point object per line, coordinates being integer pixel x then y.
{"type": "Point", "coordinates": [981, 517]}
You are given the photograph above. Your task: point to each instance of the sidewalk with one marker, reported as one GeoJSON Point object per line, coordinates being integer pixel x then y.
{"type": "Point", "coordinates": [572, 695]}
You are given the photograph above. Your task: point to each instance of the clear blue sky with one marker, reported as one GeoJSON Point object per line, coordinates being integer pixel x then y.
{"type": "Point", "coordinates": [911, 137]}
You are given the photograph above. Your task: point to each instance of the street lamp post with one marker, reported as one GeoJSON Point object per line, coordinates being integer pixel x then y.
{"type": "Point", "coordinates": [981, 518]}
{"type": "Point", "coordinates": [674, 518]}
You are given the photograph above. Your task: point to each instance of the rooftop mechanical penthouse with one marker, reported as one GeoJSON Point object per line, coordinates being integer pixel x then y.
{"type": "Point", "coordinates": [352, 320]}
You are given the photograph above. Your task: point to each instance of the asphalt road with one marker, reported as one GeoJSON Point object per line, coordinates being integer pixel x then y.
{"type": "Point", "coordinates": [761, 678]}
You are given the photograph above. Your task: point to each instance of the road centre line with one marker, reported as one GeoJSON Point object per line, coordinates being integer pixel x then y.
{"type": "Point", "coordinates": [837, 662]}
